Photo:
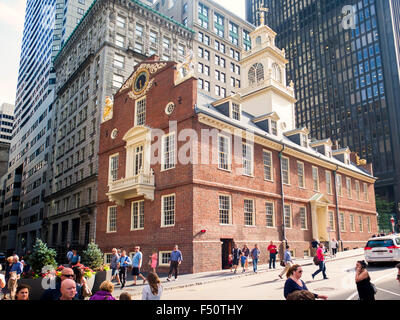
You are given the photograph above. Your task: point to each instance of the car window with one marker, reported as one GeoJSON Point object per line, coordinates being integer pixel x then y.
{"type": "Point", "coordinates": [398, 241]}
{"type": "Point", "coordinates": [379, 243]}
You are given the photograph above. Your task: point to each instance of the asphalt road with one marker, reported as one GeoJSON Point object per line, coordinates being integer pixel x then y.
{"type": "Point", "coordinates": [267, 286]}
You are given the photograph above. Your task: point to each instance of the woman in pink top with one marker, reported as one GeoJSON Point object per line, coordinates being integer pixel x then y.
{"type": "Point", "coordinates": [154, 259]}
{"type": "Point", "coordinates": [321, 258]}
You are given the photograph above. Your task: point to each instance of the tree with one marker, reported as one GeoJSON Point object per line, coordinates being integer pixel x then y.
{"type": "Point", "coordinates": [42, 256]}
{"type": "Point", "coordinates": [92, 257]}
{"type": "Point", "coordinates": [385, 211]}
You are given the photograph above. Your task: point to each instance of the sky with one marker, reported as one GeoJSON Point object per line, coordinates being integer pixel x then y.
{"type": "Point", "coordinates": [12, 13]}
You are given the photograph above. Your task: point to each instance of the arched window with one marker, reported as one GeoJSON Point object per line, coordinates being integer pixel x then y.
{"type": "Point", "coordinates": [260, 72]}
{"type": "Point", "coordinates": [256, 73]}
{"type": "Point", "coordinates": [258, 40]}
{"type": "Point", "coordinates": [276, 73]}
{"type": "Point", "coordinates": [252, 75]}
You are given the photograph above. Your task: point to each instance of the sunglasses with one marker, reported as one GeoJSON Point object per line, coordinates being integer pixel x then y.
{"type": "Point", "coordinates": [300, 271]}
{"type": "Point", "coordinates": [68, 275]}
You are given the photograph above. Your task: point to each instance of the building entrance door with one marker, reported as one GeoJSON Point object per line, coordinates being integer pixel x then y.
{"type": "Point", "coordinates": [227, 245]}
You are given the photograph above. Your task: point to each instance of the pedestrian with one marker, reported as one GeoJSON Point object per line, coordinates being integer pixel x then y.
{"type": "Point", "coordinates": [153, 260]}
{"type": "Point", "coordinates": [82, 287]}
{"type": "Point", "coordinates": [75, 259]}
{"type": "Point", "coordinates": [243, 260]}
{"type": "Point", "coordinates": [175, 261]}
{"type": "Point", "coordinates": [17, 266]}
{"type": "Point", "coordinates": [114, 265]}
{"type": "Point", "coordinates": [105, 292]}
{"type": "Point", "coordinates": [287, 260]}
{"type": "Point", "coordinates": [246, 252]}
{"type": "Point", "coordinates": [53, 294]}
{"type": "Point", "coordinates": [125, 296]}
{"type": "Point", "coordinates": [154, 289]}
{"type": "Point", "coordinates": [294, 282]}
{"type": "Point", "coordinates": [68, 290]}
{"type": "Point", "coordinates": [314, 247]}
{"type": "Point", "coordinates": [365, 288]}
{"type": "Point", "coordinates": [273, 250]}
{"type": "Point", "coordinates": [236, 253]}
{"type": "Point", "coordinates": [255, 254]}
{"type": "Point", "coordinates": [9, 264]}
{"type": "Point", "coordinates": [398, 272]}
{"type": "Point", "coordinates": [334, 246]}
{"type": "Point", "coordinates": [230, 262]}
{"type": "Point", "coordinates": [321, 265]}
{"type": "Point", "coordinates": [123, 263]}
{"type": "Point", "coordinates": [69, 256]}
{"type": "Point", "coordinates": [23, 292]}
{"type": "Point", "coordinates": [136, 265]}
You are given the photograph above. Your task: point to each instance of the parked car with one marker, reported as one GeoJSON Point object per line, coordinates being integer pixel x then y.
{"type": "Point", "coordinates": [383, 249]}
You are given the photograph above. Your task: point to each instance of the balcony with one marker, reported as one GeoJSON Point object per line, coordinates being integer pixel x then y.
{"type": "Point", "coordinates": [132, 187]}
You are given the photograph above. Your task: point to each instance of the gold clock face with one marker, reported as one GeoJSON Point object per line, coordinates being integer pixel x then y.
{"type": "Point", "coordinates": [141, 81]}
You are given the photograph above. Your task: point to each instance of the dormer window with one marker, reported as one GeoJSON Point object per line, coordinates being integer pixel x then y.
{"type": "Point", "coordinates": [304, 140]}
{"type": "Point", "coordinates": [235, 111]}
{"type": "Point", "coordinates": [274, 128]}
{"type": "Point", "coordinates": [258, 40]}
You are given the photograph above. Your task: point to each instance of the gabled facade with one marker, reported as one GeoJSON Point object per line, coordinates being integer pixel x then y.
{"type": "Point", "coordinates": [176, 167]}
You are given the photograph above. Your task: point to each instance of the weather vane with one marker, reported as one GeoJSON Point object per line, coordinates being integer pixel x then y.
{"type": "Point", "coordinates": [261, 12]}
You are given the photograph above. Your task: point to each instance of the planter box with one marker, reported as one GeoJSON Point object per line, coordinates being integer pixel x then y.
{"type": "Point", "coordinates": [37, 289]}
{"type": "Point", "coordinates": [90, 282]}
{"type": "Point", "coordinates": [99, 278]}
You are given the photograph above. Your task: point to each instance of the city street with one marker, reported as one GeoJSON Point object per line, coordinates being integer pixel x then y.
{"type": "Point", "coordinates": [267, 285]}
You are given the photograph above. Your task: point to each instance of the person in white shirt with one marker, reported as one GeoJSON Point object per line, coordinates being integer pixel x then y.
{"type": "Point", "coordinates": [334, 246]}
{"type": "Point", "coordinates": [153, 290]}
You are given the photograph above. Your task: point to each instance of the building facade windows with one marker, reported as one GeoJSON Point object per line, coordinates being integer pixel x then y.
{"type": "Point", "coordinates": [137, 219]}
{"type": "Point", "coordinates": [225, 209]}
{"type": "Point", "coordinates": [267, 161]}
{"type": "Point", "coordinates": [224, 157]}
{"type": "Point", "coordinates": [114, 162]}
{"type": "Point", "coordinates": [249, 219]}
{"type": "Point", "coordinates": [303, 218]}
{"type": "Point", "coordinates": [168, 158]}
{"type": "Point", "coordinates": [168, 210]}
{"type": "Point", "coordinates": [140, 114]}
{"type": "Point", "coordinates": [112, 219]}
{"type": "Point", "coordinates": [285, 170]}
{"type": "Point", "coordinates": [269, 212]}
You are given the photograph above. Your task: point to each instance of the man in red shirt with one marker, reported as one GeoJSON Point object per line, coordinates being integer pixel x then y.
{"type": "Point", "coordinates": [272, 254]}
{"type": "Point", "coordinates": [321, 258]}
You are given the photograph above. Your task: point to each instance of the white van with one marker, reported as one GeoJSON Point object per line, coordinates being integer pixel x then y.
{"type": "Point", "coordinates": [383, 249]}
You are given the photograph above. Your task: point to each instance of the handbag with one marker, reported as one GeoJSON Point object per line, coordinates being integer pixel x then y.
{"type": "Point", "coordinates": [316, 261]}
{"type": "Point", "coordinates": [282, 263]}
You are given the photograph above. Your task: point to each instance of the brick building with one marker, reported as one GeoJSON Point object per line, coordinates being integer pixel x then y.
{"type": "Point", "coordinates": [178, 167]}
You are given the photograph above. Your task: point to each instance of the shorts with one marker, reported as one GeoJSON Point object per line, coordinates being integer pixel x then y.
{"type": "Point", "coordinates": [135, 271]}
{"type": "Point", "coordinates": [235, 261]}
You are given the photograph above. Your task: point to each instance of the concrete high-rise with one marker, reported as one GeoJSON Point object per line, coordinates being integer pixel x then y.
{"type": "Point", "coordinates": [47, 24]}
{"type": "Point", "coordinates": [344, 60]}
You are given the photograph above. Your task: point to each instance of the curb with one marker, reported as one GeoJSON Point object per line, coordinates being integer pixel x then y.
{"type": "Point", "coordinates": [236, 276]}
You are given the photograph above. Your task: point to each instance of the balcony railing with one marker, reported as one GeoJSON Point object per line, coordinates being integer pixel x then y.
{"type": "Point", "coordinates": [132, 187]}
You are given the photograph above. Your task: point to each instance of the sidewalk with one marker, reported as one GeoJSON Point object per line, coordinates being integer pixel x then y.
{"type": "Point", "coordinates": [189, 280]}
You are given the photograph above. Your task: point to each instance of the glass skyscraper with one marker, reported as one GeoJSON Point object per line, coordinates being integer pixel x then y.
{"type": "Point", "coordinates": [344, 61]}
{"type": "Point", "coordinates": [48, 23]}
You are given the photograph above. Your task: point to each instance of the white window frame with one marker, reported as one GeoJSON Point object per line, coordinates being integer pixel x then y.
{"type": "Point", "coordinates": [108, 219]}
{"type": "Point", "coordinates": [348, 187]}
{"type": "Point", "coordinates": [352, 223]}
{"type": "Point", "coordinates": [273, 215]}
{"type": "Point", "coordinates": [227, 153]}
{"type": "Point", "coordinates": [290, 216]}
{"type": "Point", "coordinates": [333, 226]}
{"type": "Point", "coordinates": [110, 167]}
{"type": "Point", "coordinates": [230, 210]}
{"type": "Point", "coordinates": [315, 178]}
{"type": "Point", "coordinates": [365, 191]}
{"type": "Point", "coordinates": [253, 217]}
{"type": "Point", "coordinates": [163, 225]}
{"type": "Point", "coordinates": [142, 114]}
{"type": "Point", "coordinates": [369, 226]}
{"type": "Point", "coordinates": [305, 218]}
{"type": "Point", "coordinates": [288, 170]}
{"type": "Point", "coordinates": [303, 181]}
{"type": "Point", "coordinates": [120, 22]}
{"type": "Point", "coordinates": [140, 218]}
{"type": "Point", "coordinates": [160, 258]}
{"type": "Point", "coordinates": [248, 161]}
{"type": "Point", "coordinates": [358, 191]}
{"type": "Point", "coordinates": [328, 174]}
{"type": "Point", "coordinates": [339, 187]}
{"type": "Point", "coordinates": [360, 223]}
{"type": "Point", "coordinates": [119, 61]}
{"type": "Point", "coordinates": [342, 222]}
{"type": "Point", "coordinates": [170, 166]}
{"type": "Point", "coordinates": [238, 112]}
{"type": "Point", "coordinates": [270, 166]}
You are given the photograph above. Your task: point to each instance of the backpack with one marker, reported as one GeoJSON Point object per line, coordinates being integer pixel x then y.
{"type": "Point", "coordinates": [316, 261]}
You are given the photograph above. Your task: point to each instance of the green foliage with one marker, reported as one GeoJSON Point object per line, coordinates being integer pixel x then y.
{"type": "Point", "coordinates": [385, 211]}
{"type": "Point", "coordinates": [92, 257]}
{"type": "Point", "coordinates": [42, 256]}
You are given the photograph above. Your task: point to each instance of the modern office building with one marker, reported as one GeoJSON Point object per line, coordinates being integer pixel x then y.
{"type": "Point", "coordinates": [246, 174]}
{"type": "Point", "coordinates": [92, 65]}
{"type": "Point", "coordinates": [221, 36]}
{"type": "Point", "coordinates": [47, 24]}
{"type": "Point", "coordinates": [7, 121]}
{"type": "Point", "coordinates": [344, 61]}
